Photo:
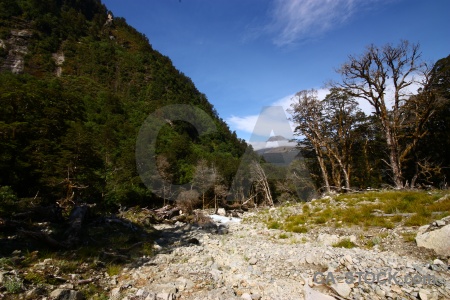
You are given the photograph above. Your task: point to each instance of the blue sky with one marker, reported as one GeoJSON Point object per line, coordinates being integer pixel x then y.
{"type": "Point", "coordinates": [247, 54]}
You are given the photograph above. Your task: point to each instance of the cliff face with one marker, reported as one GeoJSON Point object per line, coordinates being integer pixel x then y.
{"type": "Point", "coordinates": [15, 48]}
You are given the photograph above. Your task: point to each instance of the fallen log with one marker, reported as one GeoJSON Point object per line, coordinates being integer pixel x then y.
{"type": "Point", "coordinates": [167, 212]}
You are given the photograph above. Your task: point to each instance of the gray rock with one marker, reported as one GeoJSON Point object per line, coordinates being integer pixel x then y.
{"type": "Point", "coordinates": [34, 293]}
{"type": "Point", "coordinates": [440, 223]}
{"type": "Point", "coordinates": [64, 294]}
{"type": "Point", "coordinates": [327, 239]}
{"type": "Point", "coordinates": [437, 240]}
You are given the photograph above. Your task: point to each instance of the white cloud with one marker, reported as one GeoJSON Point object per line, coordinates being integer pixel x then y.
{"type": "Point", "coordinates": [258, 128]}
{"type": "Point", "coordinates": [296, 20]}
{"type": "Point", "coordinates": [245, 124]}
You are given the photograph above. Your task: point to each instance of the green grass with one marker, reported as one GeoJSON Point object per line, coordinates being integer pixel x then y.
{"type": "Point", "coordinates": [13, 284]}
{"type": "Point", "coordinates": [360, 210]}
{"type": "Point", "coordinates": [274, 225]}
{"type": "Point", "coordinates": [344, 243]}
{"type": "Point", "coordinates": [418, 220]}
{"type": "Point", "coordinates": [113, 269]}
{"type": "Point", "coordinates": [283, 236]}
{"type": "Point", "coordinates": [409, 236]}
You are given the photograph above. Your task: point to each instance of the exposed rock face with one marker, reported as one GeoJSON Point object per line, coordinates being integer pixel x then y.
{"type": "Point", "coordinates": [59, 60]}
{"type": "Point", "coordinates": [17, 47]}
{"type": "Point", "coordinates": [435, 236]}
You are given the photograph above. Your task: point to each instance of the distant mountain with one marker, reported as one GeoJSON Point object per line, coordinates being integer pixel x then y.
{"type": "Point", "coordinates": [279, 151]}
{"type": "Point", "coordinates": [277, 138]}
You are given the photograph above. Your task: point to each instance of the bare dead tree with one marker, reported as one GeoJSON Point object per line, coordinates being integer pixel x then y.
{"type": "Point", "coordinates": [188, 200]}
{"type": "Point", "coordinates": [382, 76]}
{"type": "Point", "coordinates": [220, 189]}
{"type": "Point", "coordinates": [203, 178]}
{"type": "Point", "coordinates": [261, 184]}
{"type": "Point", "coordinates": [307, 115]}
{"type": "Point", "coordinates": [164, 188]}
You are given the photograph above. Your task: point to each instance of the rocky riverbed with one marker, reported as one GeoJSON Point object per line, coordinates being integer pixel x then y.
{"type": "Point", "coordinates": [245, 260]}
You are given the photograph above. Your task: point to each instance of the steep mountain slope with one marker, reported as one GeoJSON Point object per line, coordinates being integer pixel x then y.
{"type": "Point", "coordinates": [76, 84]}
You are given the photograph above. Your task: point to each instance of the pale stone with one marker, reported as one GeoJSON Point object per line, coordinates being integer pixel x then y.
{"type": "Point", "coordinates": [311, 294]}
{"type": "Point", "coordinates": [423, 294]}
{"type": "Point", "coordinates": [343, 289]}
{"type": "Point", "coordinates": [221, 212]}
{"type": "Point", "coordinates": [437, 240]}
{"type": "Point", "coordinates": [246, 296]}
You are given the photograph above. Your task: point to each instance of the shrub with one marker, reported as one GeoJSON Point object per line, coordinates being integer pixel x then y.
{"type": "Point", "coordinates": [188, 200]}
{"type": "Point", "coordinates": [299, 229]}
{"type": "Point", "coordinates": [13, 285]}
{"type": "Point", "coordinates": [7, 196]}
{"type": "Point", "coordinates": [283, 236]}
{"type": "Point", "coordinates": [273, 225]}
{"type": "Point", "coordinates": [345, 243]}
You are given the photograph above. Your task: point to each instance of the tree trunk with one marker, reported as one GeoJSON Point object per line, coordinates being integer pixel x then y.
{"type": "Point", "coordinates": [323, 169]}
{"type": "Point", "coordinates": [394, 160]}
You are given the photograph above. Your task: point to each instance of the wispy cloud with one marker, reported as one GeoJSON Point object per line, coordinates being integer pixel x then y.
{"type": "Point", "coordinates": [296, 20]}
{"type": "Point", "coordinates": [248, 123]}
{"type": "Point", "coordinates": [245, 124]}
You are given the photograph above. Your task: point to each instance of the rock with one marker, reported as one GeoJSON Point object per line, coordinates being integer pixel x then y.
{"type": "Point", "coordinates": [2, 277]}
{"type": "Point", "coordinates": [151, 296]}
{"type": "Point", "coordinates": [343, 289]}
{"type": "Point", "coordinates": [246, 296]}
{"type": "Point", "coordinates": [437, 240]}
{"type": "Point", "coordinates": [379, 291]}
{"type": "Point", "coordinates": [253, 261]}
{"type": "Point", "coordinates": [222, 229]}
{"type": "Point", "coordinates": [440, 223]}
{"type": "Point", "coordinates": [165, 296]}
{"type": "Point", "coordinates": [438, 262]}
{"type": "Point", "coordinates": [348, 258]}
{"type": "Point", "coordinates": [221, 212]}
{"type": "Point", "coordinates": [422, 229]}
{"type": "Point", "coordinates": [327, 239]}
{"type": "Point", "coordinates": [115, 294]}
{"type": "Point", "coordinates": [34, 293]}
{"type": "Point", "coordinates": [64, 294]}
{"type": "Point", "coordinates": [311, 294]}
{"type": "Point", "coordinates": [423, 294]}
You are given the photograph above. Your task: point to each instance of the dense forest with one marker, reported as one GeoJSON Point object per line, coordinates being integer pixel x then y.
{"type": "Point", "coordinates": [77, 84]}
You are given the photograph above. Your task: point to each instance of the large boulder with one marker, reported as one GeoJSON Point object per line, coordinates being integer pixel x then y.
{"type": "Point", "coordinates": [435, 237]}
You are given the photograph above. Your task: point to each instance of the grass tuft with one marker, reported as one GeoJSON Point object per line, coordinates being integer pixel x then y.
{"type": "Point", "coordinates": [344, 243]}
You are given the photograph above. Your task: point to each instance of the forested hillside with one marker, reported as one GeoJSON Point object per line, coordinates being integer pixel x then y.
{"type": "Point", "coordinates": [76, 84]}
